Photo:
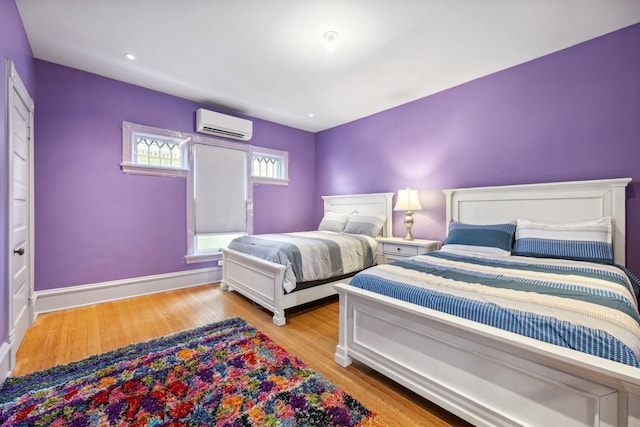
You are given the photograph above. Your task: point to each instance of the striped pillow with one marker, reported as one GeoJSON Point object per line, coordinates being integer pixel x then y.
{"type": "Point", "coordinates": [582, 241]}
{"type": "Point", "coordinates": [493, 239]}
{"type": "Point", "coordinates": [369, 225]}
{"type": "Point", "coordinates": [333, 221]}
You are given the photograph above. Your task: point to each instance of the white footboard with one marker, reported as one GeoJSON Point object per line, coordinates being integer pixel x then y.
{"type": "Point", "coordinates": [482, 374]}
{"type": "Point", "coordinates": [261, 282]}
{"type": "Point", "coordinates": [255, 278]}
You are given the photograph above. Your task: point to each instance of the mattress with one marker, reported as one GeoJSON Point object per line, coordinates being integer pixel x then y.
{"type": "Point", "coordinates": [585, 306]}
{"type": "Point", "coordinates": [312, 255]}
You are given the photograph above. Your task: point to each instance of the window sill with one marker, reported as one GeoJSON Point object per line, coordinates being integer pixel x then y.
{"type": "Point", "coordinates": [269, 181]}
{"type": "Point", "coordinates": [153, 170]}
{"type": "Point", "coordinates": [208, 257]}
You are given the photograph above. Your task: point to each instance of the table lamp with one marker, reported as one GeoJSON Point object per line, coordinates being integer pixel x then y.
{"type": "Point", "coordinates": [408, 201]}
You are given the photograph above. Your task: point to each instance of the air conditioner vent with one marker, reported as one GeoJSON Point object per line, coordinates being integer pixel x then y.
{"type": "Point", "coordinates": [218, 124]}
{"type": "Point", "coordinates": [230, 134]}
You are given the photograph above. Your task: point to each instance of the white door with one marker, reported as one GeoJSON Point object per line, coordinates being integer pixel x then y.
{"type": "Point", "coordinates": [20, 119]}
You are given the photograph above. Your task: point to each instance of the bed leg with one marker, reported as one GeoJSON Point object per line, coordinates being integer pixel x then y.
{"type": "Point", "coordinates": [341, 357]}
{"type": "Point", "coordinates": [224, 286]}
{"type": "Point", "coordinates": [278, 318]}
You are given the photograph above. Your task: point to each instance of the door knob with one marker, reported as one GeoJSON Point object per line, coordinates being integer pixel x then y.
{"type": "Point", "coordinates": [19, 251]}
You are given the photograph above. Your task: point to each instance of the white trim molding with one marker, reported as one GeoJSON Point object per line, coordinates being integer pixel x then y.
{"type": "Point", "coordinates": [204, 257]}
{"type": "Point", "coordinates": [5, 361]}
{"type": "Point", "coordinates": [78, 296]}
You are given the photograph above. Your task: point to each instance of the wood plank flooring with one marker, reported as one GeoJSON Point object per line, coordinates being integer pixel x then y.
{"type": "Point", "coordinates": [311, 334]}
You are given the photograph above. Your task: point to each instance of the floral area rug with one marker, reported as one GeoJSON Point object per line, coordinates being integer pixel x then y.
{"type": "Point", "coordinates": [224, 374]}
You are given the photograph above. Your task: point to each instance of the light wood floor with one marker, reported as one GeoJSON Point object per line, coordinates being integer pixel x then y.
{"type": "Point", "coordinates": [311, 334]}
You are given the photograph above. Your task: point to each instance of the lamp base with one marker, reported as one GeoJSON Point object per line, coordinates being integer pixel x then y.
{"type": "Point", "coordinates": [408, 223]}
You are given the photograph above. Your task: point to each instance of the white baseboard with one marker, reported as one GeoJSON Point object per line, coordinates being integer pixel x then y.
{"type": "Point", "coordinates": [5, 361]}
{"type": "Point", "coordinates": [77, 296]}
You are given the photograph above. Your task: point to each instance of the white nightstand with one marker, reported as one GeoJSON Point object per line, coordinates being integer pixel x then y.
{"type": "Point", "coordinates": [393, 248]}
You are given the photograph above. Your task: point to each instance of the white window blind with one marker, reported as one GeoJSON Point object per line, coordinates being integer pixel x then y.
{"type": "Point", "coordinates": [220, 190]}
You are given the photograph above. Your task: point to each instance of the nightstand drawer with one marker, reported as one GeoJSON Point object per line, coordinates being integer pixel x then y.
{"type": "Point", "coordinates": [402, 250]}
{"type": "Point", "coordinates": [395, 248]}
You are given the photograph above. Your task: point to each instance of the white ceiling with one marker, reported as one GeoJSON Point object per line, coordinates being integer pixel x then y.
{"type": "Point", "coordinates": [266, 58]}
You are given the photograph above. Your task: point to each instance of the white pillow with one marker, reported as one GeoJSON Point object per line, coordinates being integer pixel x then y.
{"type": "Point", "coordinates": [582, 241]}
{"type": "Point", "coordinates": [598, 230]}
{"type": "Point", "coordinates": [369, 225]}
{"type": "Point", "coordinates": [333, 221]}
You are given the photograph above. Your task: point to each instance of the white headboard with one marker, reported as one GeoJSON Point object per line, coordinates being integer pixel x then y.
{"type": "Point", "coordinates": [374, 203]}
{"type": "Point", "coordinates": [550, 202]}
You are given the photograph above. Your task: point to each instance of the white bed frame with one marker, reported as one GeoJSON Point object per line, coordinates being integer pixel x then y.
{"type": "Point", "coordinates": [486, 375]}
{"type": "Point", "coordinates": [261, 281]}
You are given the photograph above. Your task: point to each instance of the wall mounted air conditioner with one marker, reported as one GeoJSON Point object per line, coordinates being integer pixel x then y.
{"type": "Point", "coordinates": [223, 125]}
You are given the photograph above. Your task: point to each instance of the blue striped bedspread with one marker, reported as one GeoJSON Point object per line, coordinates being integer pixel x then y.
{"type": "Point", "coordinates": [579, 305]}
{"type": "Point", "coordinates": [311, 255]}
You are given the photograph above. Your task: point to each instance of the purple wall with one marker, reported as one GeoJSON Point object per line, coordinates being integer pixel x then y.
{"type": "Point", "coordinates": [95, 223]}
{"type": "Point", "coordinates": [14, 46]}
{"type": "Point", "coordinates": [571, 115]}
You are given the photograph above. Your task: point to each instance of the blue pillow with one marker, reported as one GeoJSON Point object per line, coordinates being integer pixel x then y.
{"type": "Point", "coordinates": [494, 239]}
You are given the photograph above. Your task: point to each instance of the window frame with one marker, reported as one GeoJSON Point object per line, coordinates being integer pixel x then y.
{"type": "Point", "coordinates": [269, 152]}
{"type": "Point", "coordinates": [130, 131]}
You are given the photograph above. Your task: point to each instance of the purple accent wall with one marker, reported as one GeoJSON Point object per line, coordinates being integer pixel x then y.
{"type": "Point", "coordinates": [14, 46]}
{"type": "Point", "coordinates": [571, 115]}
{"type": "Point", "coordinates": [93, 222]}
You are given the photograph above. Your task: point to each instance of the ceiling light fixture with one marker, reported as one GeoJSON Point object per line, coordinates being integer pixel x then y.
{"type": "Point", "coordinates": [330, 40]}
{"type": "Point", "coordinates": [130, 56]}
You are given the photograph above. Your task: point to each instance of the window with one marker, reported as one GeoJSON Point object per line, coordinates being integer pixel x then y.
{"type": "Point", "coordinates": [219, 197]}
{"type": "Point", "coordinates": [219, 176]}
{"type": "Point", "coordinates": [269, 166]}
{"type": "Point", "coordinates": [213, 242]}
{"type": "Point", "coordinates": [153, 151]}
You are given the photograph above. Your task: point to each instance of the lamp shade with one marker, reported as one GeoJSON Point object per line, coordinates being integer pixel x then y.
{"type": "Point", "coordinates": [407, 201]}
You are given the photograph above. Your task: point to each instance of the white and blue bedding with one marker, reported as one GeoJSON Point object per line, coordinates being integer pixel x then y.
{"type": "Point", "coordinates": [311, 255]}
{"type": "Point", "coordinates": [585, 306]}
